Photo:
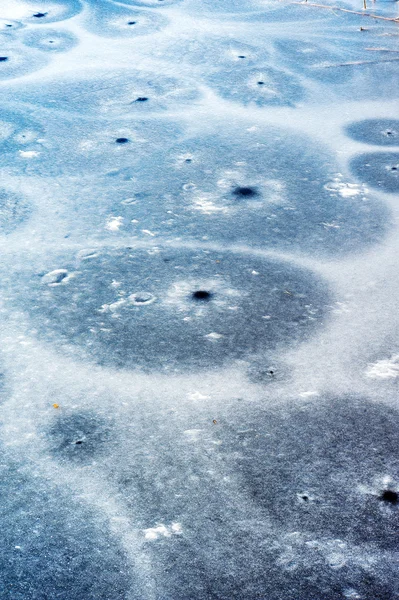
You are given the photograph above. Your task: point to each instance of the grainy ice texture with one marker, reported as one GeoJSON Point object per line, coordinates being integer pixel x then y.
{"type": "Point", "coordinates": [199, 300]}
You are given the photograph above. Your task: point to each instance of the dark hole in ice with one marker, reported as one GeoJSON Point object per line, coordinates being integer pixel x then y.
{"type": "Point", "coordinates": [86, 430]}
{"type": "Point", "coordinates": [141, 99]}
{"type": "Point", "coordinates": [40, 15]}
{"type": "Point", "coordinates": [304, 497]}
{"type": "Point", "coordinates": [261, 83]}
{"type": "Point", "coordinates": [394, 168]}
{"type": "Point", "coordinates": [8, 25]}
{"type": "Point", "coordinates": [244, 191]}
{"type": "Point", "coordinates": [60, 277]}
{"type": "Point", "coordinates": [202, 295]}
{"type": "Point", "coordinates": [389, 496]}
{"type": "Point", "coordinates": [188, 160]}
{"type": "Point", "coordinates": [241, 56]}
{"type": "Point", "coordinates": [121, 140]}
{"type": "Point", "coordinates": [3, 58]}
{"type": "Point", "coordinates": [131, 22]}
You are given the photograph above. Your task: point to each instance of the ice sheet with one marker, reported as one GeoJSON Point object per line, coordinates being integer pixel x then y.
{"type": "Point", "coordinates": [199, 300]}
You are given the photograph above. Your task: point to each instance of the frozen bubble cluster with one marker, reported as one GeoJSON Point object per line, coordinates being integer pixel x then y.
{"type": "Point", "coordinates": [198, 300]}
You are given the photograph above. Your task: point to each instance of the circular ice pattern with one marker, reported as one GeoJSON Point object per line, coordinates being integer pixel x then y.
{"type": "Point", "coordinates": [79, 437]}
{"type": "Point", "coordinates": [378, 169]}
{"type": "Point", "coordinates": [21, 147]}
{"type": "Point", "coordinates": [40, 12]}
{"type": "Point", "coordinates": [265, 187]}
{"type": "Point", "coordinates": [16, 62]}
{"type": "Point", "coordinates": [110, 94]}
{"type": "Point", "coordinates": [171, 310]}
{"type": "Point", "coordinates": [108, 20]}
{"type": "Point", "coordinates": [378, 132]}
{"type": "Point", "coordinates": [319, 467]}
{"type": "Point", "coordinates": [264, 86]}
{"type": "Point", "coordinates": [50, 40]}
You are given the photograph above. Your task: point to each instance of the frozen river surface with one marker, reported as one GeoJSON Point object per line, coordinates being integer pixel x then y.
{"type": "Point", "coordinates": [199, 300]}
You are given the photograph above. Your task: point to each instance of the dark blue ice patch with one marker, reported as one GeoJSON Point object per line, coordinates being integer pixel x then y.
{"type": "Point", "coordinates": [17, 130]}
{"type": "Point", "coordinates": [377, 132]}
{"type": "Point", "coordinates": [319, 468]}
{"type": "Point", "coordinates": [285, 463]}
{"type": "Point", "coordinates": [90, 147]}
{"type": "Point", "coordinates": [50, 40]}
{"type": "Point", "coordinates": [17, 62]}
{"type": "Point", "coordinates": [380, 170]}
{"type": "Point", "coordinates": [20, 148]}
{"type": "Point", "coordinates": [52, 546]}
{"type": "Point", "coordinates": [137, 308]}
{"type": "Point", "coordinates": [14, 210]}
{"type": "Point", "coordinates": [108, 94]}
{"type": "Point", "coordinates": [79, 437]}
{"type": "Point", "coordinates": [110, 20]}
{"type": "Point", "coordinates": [263, 86]}
{"type": "Point", "coordinates": [293, 199]}
{"type": "Point", "coordinates": [211, 53]}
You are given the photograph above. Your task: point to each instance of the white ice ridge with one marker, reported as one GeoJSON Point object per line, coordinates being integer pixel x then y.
{"type": "Point", "coordinates": [387, 368]}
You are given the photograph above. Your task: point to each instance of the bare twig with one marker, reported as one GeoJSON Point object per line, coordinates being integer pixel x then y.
{"type": "Point", "coordinates": [356, 62]}
{"type": "Point", "coordinates": [381, 50]}
{"type": "Point", "coordinates": [354, 12]}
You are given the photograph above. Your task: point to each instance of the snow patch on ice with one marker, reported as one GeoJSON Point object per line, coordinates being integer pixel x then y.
{"type": "Point", "coordinates": [384, 369]}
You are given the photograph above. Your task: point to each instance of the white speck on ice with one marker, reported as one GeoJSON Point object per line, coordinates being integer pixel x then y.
{"type": "Point", "coordinates": [309, 394]}
{"type": "Point", "coordinates": [198, 396]}
{"type": "Point", "coordinates": [206, 206]}
{"type": "Point", "coordinates": [384, 369]}
{"type": "Point", "coordinates": [116, 305]}
{"type": "Point", "coordinates": [330, 225]}
{"type": "Point", "coordinates": [214, 336]}
{"type": "Point", "coordinates": [153, 533]}
{"type": "Point", "coordinates": [114, 223]}
{"type": "Point", "coordinates": [346, 190]}
{"type": "Point", "coordinates": [28, 153]}
{"type": "Point", "coordinates": [113, 307]}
